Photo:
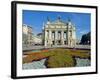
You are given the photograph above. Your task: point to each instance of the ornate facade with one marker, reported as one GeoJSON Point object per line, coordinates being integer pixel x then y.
{"type": "Point", "coordinates": [59, 33]}
{"type": "Point", "coordinates": [27, 35]}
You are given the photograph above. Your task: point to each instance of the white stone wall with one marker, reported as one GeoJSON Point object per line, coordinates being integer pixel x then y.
{"type": "Point", "coordinates": [37, 40]}
{"type": "Point", "coordinates": [27, 35]}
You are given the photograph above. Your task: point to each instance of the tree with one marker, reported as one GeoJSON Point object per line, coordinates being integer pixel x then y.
{"type": "Point", "coordinates": [86, 38]}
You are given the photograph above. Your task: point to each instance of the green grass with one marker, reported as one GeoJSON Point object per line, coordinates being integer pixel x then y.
{"type": "Point", "coordinates": [60, 60]}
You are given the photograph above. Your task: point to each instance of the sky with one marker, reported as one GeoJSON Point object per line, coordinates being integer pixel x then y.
{"type": "Point", "coordinates": [35, 19]}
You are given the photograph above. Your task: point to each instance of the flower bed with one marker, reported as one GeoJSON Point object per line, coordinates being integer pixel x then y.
{"type": "Point", "coordinates": [57, 57]}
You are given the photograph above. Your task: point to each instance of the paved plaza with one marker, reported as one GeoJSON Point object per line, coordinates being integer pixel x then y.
{"type": "Point", "coordinates": [60, 46]}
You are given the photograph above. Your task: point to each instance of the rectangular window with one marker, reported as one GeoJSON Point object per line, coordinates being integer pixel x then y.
{"type": "Point", "coordinates": [65, 35]}
{"type": "Point", "coordinates": [53, 35]}
{"type": "Point", "coordinates": [59, 35]}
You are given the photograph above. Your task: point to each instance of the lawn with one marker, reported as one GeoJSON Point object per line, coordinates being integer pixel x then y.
{"type": "Point", "coordinates": [57, 57]}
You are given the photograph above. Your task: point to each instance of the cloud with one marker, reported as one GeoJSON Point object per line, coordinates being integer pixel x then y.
{"type": "Point", "coordinates": [83, 32]}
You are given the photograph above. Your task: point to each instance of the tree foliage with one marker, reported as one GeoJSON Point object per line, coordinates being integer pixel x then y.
{"type": "Point", "coordinates": [86, 38]}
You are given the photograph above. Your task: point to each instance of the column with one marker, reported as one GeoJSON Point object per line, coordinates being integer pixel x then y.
{"type": "Point", "coordinates": [74, 37]}
{"type": "Point", "coordinates": [50, 37]}
{"type": "Point", "coordinates": [62, 37]}
{"type": "Point", "coordinates": [68, 38]}
{"type": "Point", "coordinates": [55, 37]}
{"type": "Point", "coordinates": [45, 38]}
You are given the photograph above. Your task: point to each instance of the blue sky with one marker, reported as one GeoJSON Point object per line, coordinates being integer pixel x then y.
{"type": "Point", "coordinates": [35, 19]}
